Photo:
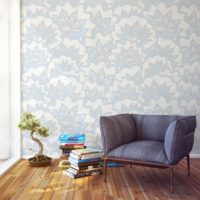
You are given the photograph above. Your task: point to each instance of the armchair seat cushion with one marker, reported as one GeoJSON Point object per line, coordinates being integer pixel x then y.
{"type": "Point", "coordinates": [142, 150]}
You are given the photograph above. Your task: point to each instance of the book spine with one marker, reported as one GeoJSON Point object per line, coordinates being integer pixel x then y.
{"type": "Point", "coordinates": [84, 160]}
{"type": "Point", "coordinates": [68, 173]}
{"type": "Point", "coordinates": [92, 155]}
{"type": "Point", "coordinates": [89, 160]}
{"type": "Point", "coordinates": [74, 156]}
{"type": "Point", "coordinates": [71, 143]}
{"type": "Point", "coordinates": [86, 167]}
{"type": "Point", "coordinates": [72, 139]}
{"type": "Point", "coordinates": [82, 174]}
{"type": "Point", "coordinates": [73, 171]}
{"type": "Point", "coordinates": [85, 151]}
{"type": "Point", "coordinates": [72, 147]}
{"type": "Point", "coordinates": [66, 136]}
{"type": "Point", "coordinates": [86, 156]}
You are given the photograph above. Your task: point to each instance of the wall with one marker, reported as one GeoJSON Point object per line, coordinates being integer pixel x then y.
{"type": "Point", "coordinates": [82, 59]}
{"type": "Point", "coordinates": [5, 139]}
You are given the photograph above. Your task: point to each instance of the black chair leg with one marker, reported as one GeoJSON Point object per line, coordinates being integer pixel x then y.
{"type": "Point", "coordinates": [188, 165]}
{"type": "Point", "coordinates": [105, 169]}
{"type": "Point", "coordinates": [171, 179]}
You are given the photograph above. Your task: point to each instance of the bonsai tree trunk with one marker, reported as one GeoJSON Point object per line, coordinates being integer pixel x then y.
{"type": "Point", "coordinates": [38, 142]}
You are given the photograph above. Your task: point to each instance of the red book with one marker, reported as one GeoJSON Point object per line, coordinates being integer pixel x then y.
{"type": "Point", "coordinates": [72, 144]}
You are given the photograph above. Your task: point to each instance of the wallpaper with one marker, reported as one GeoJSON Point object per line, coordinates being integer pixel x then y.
{"type": "Point", "coordinates": [85, 58]}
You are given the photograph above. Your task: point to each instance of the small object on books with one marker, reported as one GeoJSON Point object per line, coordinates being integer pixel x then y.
{"type": "Point", "coordinates": [63, 164]}
{"type": "Point", "coordinates": [114, 164]}
{"type": "Point", "coordinates": [84, 162]}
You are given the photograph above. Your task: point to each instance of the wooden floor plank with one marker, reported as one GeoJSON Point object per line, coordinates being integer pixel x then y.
{"type": "Point", "coordinates": [10, 174]}
{"type": "Point", "coordinates": [53, 185]}
{"type": "Point", "coordinates": [19, 179]}
{"type": "Point", "coordinates": [137, 183]}
{"type": "Point", "coordinates": [30, 187]}
{"type": "Point", "coordinates": [134, 189]}
{"type": "Point", "coordinates": [45, 186]}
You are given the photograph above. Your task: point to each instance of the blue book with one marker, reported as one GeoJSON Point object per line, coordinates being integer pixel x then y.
{"type": "Point", "coordinates": [74, 139]}
{"type": "Point", "coordinates": [64, 137]}
{"type": "Point", "coordinates": [71, 141]}
{"type": "Point", "coordinates": [114, 164]}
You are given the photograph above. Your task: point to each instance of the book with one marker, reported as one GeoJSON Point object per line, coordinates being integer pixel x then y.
{"type": "Point", "coordinates": [73, 139]}
{"type": "Point", "coordinates": [66, 150]}
{"type": "Point", "coordinates": [72, 144]}
{"type": "Point", "coordinates": [74, 171]}
{"type": "Point", "coordinates": [86, 156]}
{"type": "Point", "coordinates": [87, 163]}
{"type": "Point", "coordinates": [68, 173]}
{"type": "Point", "coordinates": [86, 166]}
{"type": "Point", "coordinates": [114, 164]}
{"type": "Point", "coordinates": [72, 147]}
{"type": "Point", "coordinates": [88, 150]}
{"type": "Point", "coordinates": [64, 137]}
{"type": "Point", "coordinates": [72, 160]}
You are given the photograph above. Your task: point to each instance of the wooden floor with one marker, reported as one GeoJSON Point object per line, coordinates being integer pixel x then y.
{"type": "Point", "coordinates": [25, 183]}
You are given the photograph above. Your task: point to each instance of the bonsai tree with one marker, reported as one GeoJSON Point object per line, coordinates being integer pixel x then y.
{"type": "Point", "coordinates": [30, 123]}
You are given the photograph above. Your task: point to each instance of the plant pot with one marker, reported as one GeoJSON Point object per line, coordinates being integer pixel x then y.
{"type": "Point", "coordinates": [33, 162]}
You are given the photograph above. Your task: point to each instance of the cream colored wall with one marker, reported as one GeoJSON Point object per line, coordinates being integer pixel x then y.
{"type": "Point", "coordinates": [4, 80]}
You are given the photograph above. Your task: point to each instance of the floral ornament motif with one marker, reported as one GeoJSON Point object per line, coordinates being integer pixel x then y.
{"type": "Point", "coordinates": [166, 26]}
{"type": "Point", "coordinates": [135, 30]}
{"type": "Point", "coordinates": [42, 34]}
{"type": "Point", "coordinates": [82, 59]}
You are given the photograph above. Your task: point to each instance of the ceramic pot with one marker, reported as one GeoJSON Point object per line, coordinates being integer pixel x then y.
{"type": "Point", "coordinates": [42, 163]}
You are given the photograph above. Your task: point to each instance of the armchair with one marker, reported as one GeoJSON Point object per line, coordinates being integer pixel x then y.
{"type": "Point", "coordinates": [148, 140]}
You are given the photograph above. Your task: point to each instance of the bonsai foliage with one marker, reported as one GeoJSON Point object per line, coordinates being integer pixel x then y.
{"type": "Point", "coordinates": [30, 123]}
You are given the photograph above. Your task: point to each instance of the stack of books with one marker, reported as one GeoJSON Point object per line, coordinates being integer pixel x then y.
{"type": "Point", "coordinates": [69, 142]}
{"type": "Point", "coordinates": [84, 162]}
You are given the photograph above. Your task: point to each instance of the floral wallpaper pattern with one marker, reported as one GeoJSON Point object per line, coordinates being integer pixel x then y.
{"type": "Point", "coordinates": [85, 58]}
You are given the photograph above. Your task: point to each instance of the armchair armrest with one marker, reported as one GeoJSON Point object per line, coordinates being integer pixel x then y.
{"type": "Point", "coordinates": [179, 138]}
{"type": "Point", "coordinates": [116, 130]}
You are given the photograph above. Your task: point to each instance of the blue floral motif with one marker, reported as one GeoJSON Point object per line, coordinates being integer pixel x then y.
{"type": "Point", "coordinates": [166, 26]}
{"type": "Point", "coordinates": [155, 91]}
{"type": "Point", "coordinates": [36, 57]}
{"type": "Point", "coordinates": [70, 25]}
{"type": "Point", "coordinates": [41, 34]}
{"type": "Point", "coordinates": [129, 58]}
{"type": "Point", "coordinates": [102, 25]}
{"type": "Point", "coordinates": [135, 33]}
{"type": "Point", "coordinates": [100, 53]}
{"type": "Point", "coordinates": [83, 59]}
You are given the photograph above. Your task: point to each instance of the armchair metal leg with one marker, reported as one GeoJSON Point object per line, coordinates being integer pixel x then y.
{"type": "Point", "coordinates": [171, 179]}
{"type": "Point", "coordinates": [105, 169]}
{"type": "Point", "coordinates": [188, 165]}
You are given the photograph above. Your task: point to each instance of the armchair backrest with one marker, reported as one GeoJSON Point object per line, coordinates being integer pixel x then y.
{"type": "Point", "coordinates": [153, 127]}
{"type": "Point", "coordinates": [117, 130]}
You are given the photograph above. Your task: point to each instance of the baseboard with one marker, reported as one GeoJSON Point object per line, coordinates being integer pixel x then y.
{"type": "Point", "coordinates": [194, 155]}
{"type": "Point", "coordinates": [6, 165]}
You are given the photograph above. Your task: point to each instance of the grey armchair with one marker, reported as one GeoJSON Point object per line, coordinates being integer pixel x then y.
{"type": "Point", "coordinates": [148, 140]}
